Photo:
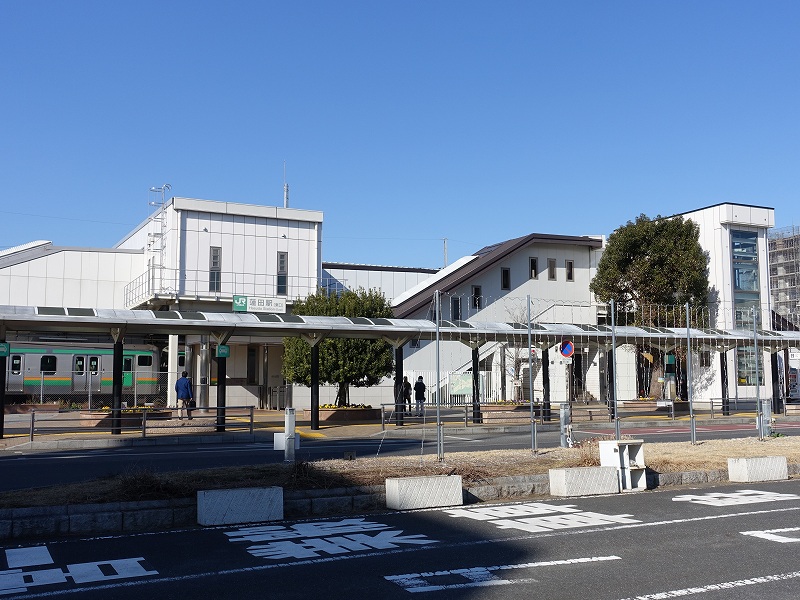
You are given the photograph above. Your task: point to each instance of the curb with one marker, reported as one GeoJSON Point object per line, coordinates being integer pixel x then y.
{"type": "Point", "coordinates": [160, 515]}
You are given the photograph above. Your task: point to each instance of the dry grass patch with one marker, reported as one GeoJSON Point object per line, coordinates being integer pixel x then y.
{"type": "Point", "coordinates": [474, 468]}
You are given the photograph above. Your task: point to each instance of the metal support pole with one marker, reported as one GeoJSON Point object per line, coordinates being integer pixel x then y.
{"type": "Point", "coordinates": [534, 441]}
{"type": "Point", "coordinates": [288, 431]}
{"type": "Point", "coordinates": [33, 420]}
{"type": "Point", "coordinates": [439, 436]}
{"type": "Point", "coordinates": [690, 387]}
{"type": "Point", "coordinates": [759, 409]}
{"type": "Point", "coordinates": [144, 422]}
{"type": "Point", "coordinates": [222, 376]}
{"type": "Point", "coordinates": [315, 386]}
{"type": "Point", "coordinates": [614, 370]}
{"type": "Point", "coordinates": [252, 411]}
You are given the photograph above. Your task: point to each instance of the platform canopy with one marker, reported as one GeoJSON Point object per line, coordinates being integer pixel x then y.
{"type": "Point", "coordinates": [266, 325]}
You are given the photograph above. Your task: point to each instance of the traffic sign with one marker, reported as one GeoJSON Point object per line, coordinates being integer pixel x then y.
{"type": "Point", "coordinates": [567, 348]}
{"type": "Point", "coordinates": [5, 348]}
{"type": "Point", "coordinates": [223, 351]}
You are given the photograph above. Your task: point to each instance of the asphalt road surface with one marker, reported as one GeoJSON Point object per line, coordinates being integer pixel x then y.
{"type": "Point", "coordinates": [732, 542]}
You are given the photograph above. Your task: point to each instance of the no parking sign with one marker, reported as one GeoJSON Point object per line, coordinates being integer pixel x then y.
{"type": "Point", "coordinates": [567, 348]}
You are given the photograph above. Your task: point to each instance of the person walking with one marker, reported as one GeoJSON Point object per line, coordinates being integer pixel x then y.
{"type": "Point", "coordinates": [183, 387]}
{"type": "Point", "coordinates": [419, 396]}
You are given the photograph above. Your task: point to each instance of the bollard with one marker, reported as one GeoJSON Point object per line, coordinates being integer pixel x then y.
{"type": "Point", "coordinates": [564, 421]}
{"type": "Point", "coordinates": [288, 429]}
{"type": "Point", "coordinates": [144, 422]}
{"type": "Point", "coordinates": [252, 408]}
{"type": "Point", "coordinates": [33, 419]}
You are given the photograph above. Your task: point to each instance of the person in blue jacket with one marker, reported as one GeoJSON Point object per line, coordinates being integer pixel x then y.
{"type": "Point", "coordinates": [183, 387]}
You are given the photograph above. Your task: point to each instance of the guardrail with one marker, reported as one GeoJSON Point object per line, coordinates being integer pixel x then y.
{"type": "Point", "coordinates": [143, 421]}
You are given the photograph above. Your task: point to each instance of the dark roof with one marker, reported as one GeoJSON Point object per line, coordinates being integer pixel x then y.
{"type": "Point", "coordinates": [487, 257]}
{"type": "Point", "coordinates": [360, 267]}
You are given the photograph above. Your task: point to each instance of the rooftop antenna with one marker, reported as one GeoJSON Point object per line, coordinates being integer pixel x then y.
{"type": "Point", "coordinates": [285, 188]}
{"type": "Point", "coordinates": [445, 251]}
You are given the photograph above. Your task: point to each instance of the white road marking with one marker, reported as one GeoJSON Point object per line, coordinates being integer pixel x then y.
{"type": "Point", "coordinates": [715, 587]}
{"type": "Point", "coordinates": [479, 576]}
{"type": "Point", "coordinates": [28, 557]}
{"type": "Point", "coordinates": [772, 535]}
{"type": "Point", "coordinates": [740, 497]}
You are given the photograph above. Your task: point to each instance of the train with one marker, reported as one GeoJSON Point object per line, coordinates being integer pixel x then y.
{"type": "Point", "coordinates": [64, 372]}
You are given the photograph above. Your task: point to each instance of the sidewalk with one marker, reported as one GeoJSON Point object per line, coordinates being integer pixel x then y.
{"type": "Point", "coordinates": [60, 431]}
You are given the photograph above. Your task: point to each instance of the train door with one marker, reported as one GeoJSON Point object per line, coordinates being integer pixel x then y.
{"type": "Point", "coordinates": [14, 377]}
{"type": "Point", "coordinates": [85, 373]}
{"type": "Point", "coordinates": [127, 371]}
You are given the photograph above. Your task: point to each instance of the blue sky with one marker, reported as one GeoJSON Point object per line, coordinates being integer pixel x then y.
{"type": "Point", "coordinates": [405, 122]}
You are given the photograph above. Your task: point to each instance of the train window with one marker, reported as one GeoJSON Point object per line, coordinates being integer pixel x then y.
{"type": "Point", "coordinates": [144, 360]}
{"type": "Point", "coordinates": [48, 364]}
{"type": "Point", "coordinates": [80, 365]}
{"type": "Point", "coordinates": [127, 364]}
{"type": "Point", "coordinates": [94, 364]}
{"type": "Point", "coordinates": [16, 364]}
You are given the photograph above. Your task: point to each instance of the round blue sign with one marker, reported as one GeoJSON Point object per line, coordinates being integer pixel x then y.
{"type": "Point", "coordinates": [567, 348]}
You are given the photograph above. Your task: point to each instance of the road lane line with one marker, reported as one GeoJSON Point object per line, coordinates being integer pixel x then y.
{"type": "Point", "coordinates": [715, 587]}
{"type": "Point", "coordinates": [480, 576]}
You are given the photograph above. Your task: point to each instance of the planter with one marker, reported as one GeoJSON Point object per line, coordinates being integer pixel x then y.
{"type": "Point", "coordinates": [102, 418]}
{"type": "Point", "coordinates": [347, 415]}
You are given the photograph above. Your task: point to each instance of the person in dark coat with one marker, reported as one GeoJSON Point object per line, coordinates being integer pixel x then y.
{"type": "Point", "coordinates": [407, 394]}
{"type": "Point", "coordinates": [419, 396]}
{"type": "Point", "coordinates": [183, 387]}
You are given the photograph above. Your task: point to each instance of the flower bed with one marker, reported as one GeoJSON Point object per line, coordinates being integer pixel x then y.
{"type": "Point", "coordinates": [346, 415]}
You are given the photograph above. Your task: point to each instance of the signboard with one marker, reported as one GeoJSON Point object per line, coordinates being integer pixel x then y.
{"type": "Point", "coordinates": [262, 304]}
{"type": "Point", "coordinates": [5, 348]}
{"type": "Point", "coordinates": [567, 348]}
{"type": "Point", "coordinates": [223, 351]}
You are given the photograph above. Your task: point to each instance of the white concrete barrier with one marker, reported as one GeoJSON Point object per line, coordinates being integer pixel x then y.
{"type": "Point", "coordinates": [405, 493]}
{"type": "Point", "coordinates": [279, 441]}
{"type": "Point", "coordinates": [244, 505]}
{"type": "Point", "coordinates": [584, 481]}
{"type": "Point", "coordinates": [762, 468]}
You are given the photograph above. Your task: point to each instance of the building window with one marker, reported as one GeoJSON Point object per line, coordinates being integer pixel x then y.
{"type": "Point", "coordinates": [570, 265]}
{"type": "Point", "coordinates": [283, 273]}
{"type": "Point", "coordinates": [534, 267]}
{"type": "Point", "coordinates": [477, 299]}
{"type": "Point", "coordinates": [705, 358]}
{"type": "Point", "coordinates": [215, 269]}
{"type": "Point", "coordinates": [744, 258]}
{"type": "Point", "coordinates": [455, 308]}
{"type": "Point", "coordinates": [414, 343]}
{"type": "Point", "coordinates": [551, 269]}
{"type": "Point", "coordinates": [505, 278]}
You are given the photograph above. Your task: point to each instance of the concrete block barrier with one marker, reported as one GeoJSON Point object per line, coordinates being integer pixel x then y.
{"type": "Point", "coordinates": [243, 505]}
{"type": "Point", "coordinates": [584, 481]}
{"type": "Point", "coordinates": [406, 493]}
{"type": "Point", "coordinates": [762, 468]}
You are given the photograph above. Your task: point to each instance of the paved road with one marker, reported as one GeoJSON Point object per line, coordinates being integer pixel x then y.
{"type": "Point", "coordinates": [23, 467]}
{"type": "Point", "coordinates": [720, 543]}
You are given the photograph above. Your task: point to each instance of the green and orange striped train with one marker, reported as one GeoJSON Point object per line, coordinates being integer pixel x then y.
{"type": "Point", "coordinates": [38, 371]}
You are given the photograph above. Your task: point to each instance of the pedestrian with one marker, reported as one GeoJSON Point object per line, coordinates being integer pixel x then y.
{"type": "Point", "coordinates": [419, 396]}
{"type": "Point", "coordinates": [183, 387]}
{"type": "Point", "coordinates": [407, 394]}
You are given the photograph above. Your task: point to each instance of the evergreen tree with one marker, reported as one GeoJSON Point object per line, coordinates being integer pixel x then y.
{"type": "Point", "coordinates": [345, 362]}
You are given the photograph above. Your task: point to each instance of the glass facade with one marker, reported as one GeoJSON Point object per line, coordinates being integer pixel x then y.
{"type": "Point", "coordinates": [746, 301]}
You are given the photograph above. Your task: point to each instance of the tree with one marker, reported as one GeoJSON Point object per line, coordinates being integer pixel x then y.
{"type": "Point", "coordinates": [648, 263]}
{"type": "Point", "coordinates": [345, 362]}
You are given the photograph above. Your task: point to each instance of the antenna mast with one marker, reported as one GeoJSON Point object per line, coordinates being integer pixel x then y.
{"type": "Point", "coordinates": [285, 188]}
{"type": "Point", "coordinates": [445, 251]}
